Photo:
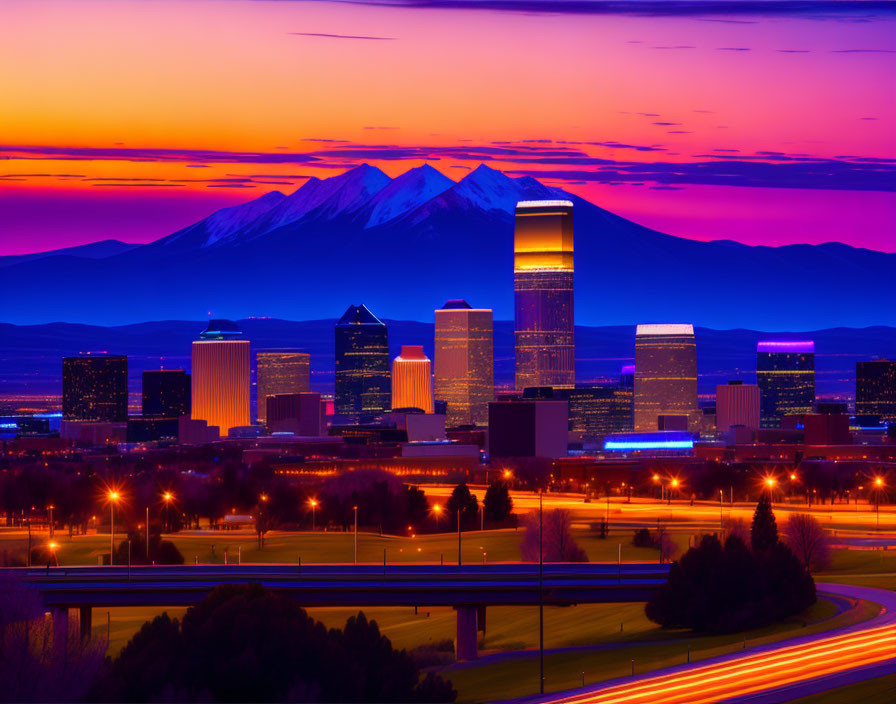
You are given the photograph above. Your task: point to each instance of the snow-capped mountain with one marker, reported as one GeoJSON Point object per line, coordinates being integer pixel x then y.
{"type": "Point", "coordinates": [405, 245]}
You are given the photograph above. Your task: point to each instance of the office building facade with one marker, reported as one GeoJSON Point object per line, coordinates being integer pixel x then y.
{"type": "Point", "coordinates": [737, 404]}
{"type": "Point", "coordinates": [665, 382]}
{"type": "Point", "coordinates": [535, 427]}
{"type": "Point", "coordinates": [363, 379]}
{"type": "Point", "coordinates": [166, 393]}
{"type": "Point", "coordinates": [876, 390]}
{"type": "Point", "coordinates": [412, 380]}
{"type": "Point", "coordinates": [221, 377]}
{"type": "Point", "coordinates": [300, 414]}
{"type": "Point", "coordinates": [543, 273]}
{"type": "Point", "coordinates": [95, 388]}
{"type": "Point", "coordinates": [464, 363]}
{"type": "Point", "coordinates": [785, 374]}
{"type": "Point", "coordinates": [280, 372]}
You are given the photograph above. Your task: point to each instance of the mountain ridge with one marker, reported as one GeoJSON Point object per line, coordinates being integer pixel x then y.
{"type": "Point", "coordinates": [408, 243]}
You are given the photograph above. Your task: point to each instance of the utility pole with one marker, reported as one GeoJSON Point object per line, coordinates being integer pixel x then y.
{"type": "Point", "coordinates": [147, 533]}
{"type": "Point", "coordinates": [541, 592]}
{"type": "Point", "coordinates": [356, 535]}
{"type": "Point", "coordinates": [458, 536]}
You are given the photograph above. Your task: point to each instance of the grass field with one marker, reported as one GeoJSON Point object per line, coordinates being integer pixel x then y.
{"type": "Point", "coordinates": [880, 690]}
{"type": "Point", "coordinates": [209, 547]}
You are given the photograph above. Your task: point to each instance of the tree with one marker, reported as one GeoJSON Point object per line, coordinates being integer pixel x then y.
{"type": "Point", "coordinates": [244, 643]}
{"type": "Point", "coordinates": [497, 504]}
{"type": "Point", "coordinates": [417, 507]}
{"type": "Point", "coordinates": [735, 526]}
{"type": "Point", "coordinates": [723, 589]}
{"type": "Point", "coordinates": [462, 499]}
{"type": "Point", "coordinates": [39, 663]}
{"type": "Point", "coordinates": [804, 535]}
{"type": "Point", "coordinates": [161, 552]}
{"type": "Point", "coordinates": [764, 530]}
{"type": "Point", "coordinates": [558, 545]}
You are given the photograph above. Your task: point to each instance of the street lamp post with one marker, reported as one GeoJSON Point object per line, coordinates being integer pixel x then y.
{"type": "Point", "coordinates": [356, 533]}
{"type": "Point", "coordinates": [459, 561]}
{"type": "Point", "coordinates": [167, 497]}
{"type": "Point", "coordinates": [313, 503]}
{"type": "Point", "coordinates": [540, 592]}
{"type": "Point", "coordinates": [721, 519]}
{"type": "Point", "coordinates": [113, 497]}
{"type": "Point", "coordinates": [878, 487]}
{"type": "Point", "coordinates": [53, 546]}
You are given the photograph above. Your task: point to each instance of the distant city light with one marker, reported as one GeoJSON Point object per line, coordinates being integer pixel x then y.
{"type": "Point", "coordinates": [648, 444]}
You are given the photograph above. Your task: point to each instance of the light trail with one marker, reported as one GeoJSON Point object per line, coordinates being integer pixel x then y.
{"type": "Point", "coordinates": [749, 674]}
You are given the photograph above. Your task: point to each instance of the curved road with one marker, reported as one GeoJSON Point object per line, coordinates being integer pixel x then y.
{"type": "Point", "coordinates": [774, 673]}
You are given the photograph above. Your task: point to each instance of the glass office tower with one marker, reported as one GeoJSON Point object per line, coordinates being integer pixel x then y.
{"type": "Point", "coordinates": [166, 393]}
{"type": "Point", "coordinates": [412, 380]}
{"type": "Point", "coordinates": [280, 372]}
{"type": "Point", "coordinates": [221, 377]}
{"type": "Point", "coordinates": [543, 294]}
{"type": "Point", "coordinates": [665, 375]}
{"type": "Point", "coordinates": [876, 390]}
{"type": "Point", "coordinates": [464, 362]}
{"type": "Point", "coordinates": [363, 380]}
{"type": "Point", "coordinates": [785, 374]}
{"type": "Point", "coordinates": [95, 388]}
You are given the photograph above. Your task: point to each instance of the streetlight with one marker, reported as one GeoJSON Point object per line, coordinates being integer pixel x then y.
{"type": "Point", "coordinates": [53, 546]}
{"type": "Point", "coordinates": [878, 487]}
{"type": "Point", "coordinates": [673, 485]}
{"type": "Point", "coordinates": [770, 483]}
{"type": "Point", "coordinates": [167, 497]}
{"type": "Point", "coordinates": [50, 509]}
{"type": "Point", "coordinates": [113, 498]}
{"type": "Point", "coordinates": [356, 533]}
{"type": "Point", "coordinates": [721, 519]}
{"type": "Point", "coordinates": [313, 504]}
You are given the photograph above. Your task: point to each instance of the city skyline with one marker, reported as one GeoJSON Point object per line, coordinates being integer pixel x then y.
{"type": "Point", "coordinates": [793, 168]}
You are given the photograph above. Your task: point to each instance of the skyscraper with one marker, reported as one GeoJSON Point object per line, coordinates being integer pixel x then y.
{"type": "Point", "coordinates": [665, 375]}
{"type": "Point", "coordinates": [363, 382]}
{"type": "Point", "coordinates": [280, 372]}
{"type": "Point", "coordinates": [876, 390]}
{"type": "Point", "coordinates": [166, 393]}
{"type": "Point", "coordinates": [95, 388]}
{"type": "Point", "coordinates": [464, 362]}
{"type": "Point", "coordinates": [785, 374]}
{"type": "Point", "coordinates": [737, 404]}
{"type": "Point", "coordinates": [543, 294]}
{"type": "Point", "coordinates": [412, 379]}
{"type": "Point", "coordinates": [221, 376]}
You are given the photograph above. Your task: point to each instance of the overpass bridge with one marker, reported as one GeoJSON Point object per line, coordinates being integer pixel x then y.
{"type": "Point", "coordinates": [469, 589]}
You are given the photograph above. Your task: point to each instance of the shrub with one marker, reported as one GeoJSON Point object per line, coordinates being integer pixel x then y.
{"type": "Point", "coordinates": [808, 540]}
{"type": "Point", "coordinates": [558, 544]}
{"type": "Point", "coordinates": [244, 643]}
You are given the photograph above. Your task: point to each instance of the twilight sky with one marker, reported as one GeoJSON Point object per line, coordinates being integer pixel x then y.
{"type": "Point", "coordinates": [750, 121]}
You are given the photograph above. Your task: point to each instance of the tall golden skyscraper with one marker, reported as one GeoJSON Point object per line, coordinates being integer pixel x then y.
{"type": "Point", "coordinates": [412, 379]}
{"type": "Point", "coordinates": [543, 294]}
{"type": "Point", "coordinates": [464, 362]}
{"type": "Point", "coordinates": [280, 372]}
{"type": "Point", "coordinates": [665, 375]}
{"type": "Point", "coordinates": [221, 376]}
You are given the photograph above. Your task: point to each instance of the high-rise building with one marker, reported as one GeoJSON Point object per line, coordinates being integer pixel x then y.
{"type": "Point", "coordinates": [95, 388]}
{"type": "Point", "coordinates": [301, 413]}
{"type": "Point", "coordinates": [533, 427]}
{"type": "Point", "coordinates": [221, 377]}
{"type": "Point", "coordinates": [280, 372]}
{"type": "Point", "coordinates": [665, 375]}
{"type": "Point", "coordinates": [363, 383]}
{"type": "Point", "coordinates": [737, 404]}
{"type": "Point", "coordinates": [412, 380]}
{"type": "Point", "coordinates": [166, 393]}
{"type": "Point", "coordinates": [543, 294]}
{"type": "Point", "coordinates": [876, 390]}
{"type": "Point", "coordinates": [464, 362]}
{"type": "Point", "coordinates": [785, 374]}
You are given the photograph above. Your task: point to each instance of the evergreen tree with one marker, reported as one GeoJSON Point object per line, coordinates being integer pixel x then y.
{"type": "Point", "coordinates": [764, 531]}
{"type": "Point", "coordinates": [462, 499]}
{"type": "Point", "coordinates": [497, 504]}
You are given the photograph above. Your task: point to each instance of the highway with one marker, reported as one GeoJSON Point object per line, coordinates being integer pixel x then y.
{"type": "Point", "coordinates": [349, 585]}
{"type": "Point", "coordinates": [776, 673]}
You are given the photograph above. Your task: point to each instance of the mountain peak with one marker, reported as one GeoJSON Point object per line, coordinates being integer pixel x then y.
{"type": "Point", "coordinates": [407, 192]}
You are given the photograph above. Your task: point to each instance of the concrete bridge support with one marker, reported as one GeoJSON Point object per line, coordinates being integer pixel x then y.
{"type": "Point", "coordinates": [85, 622]}
{"type": "Point", "coordinates": [465, 645]}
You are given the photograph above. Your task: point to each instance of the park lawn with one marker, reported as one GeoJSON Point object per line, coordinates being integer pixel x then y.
{"type": "Point", "coordinates": [209, 547]}
{"type": "Point", "coordinates": [517, 676]}
{"type": "Point", "coordinates": [879, 690]}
